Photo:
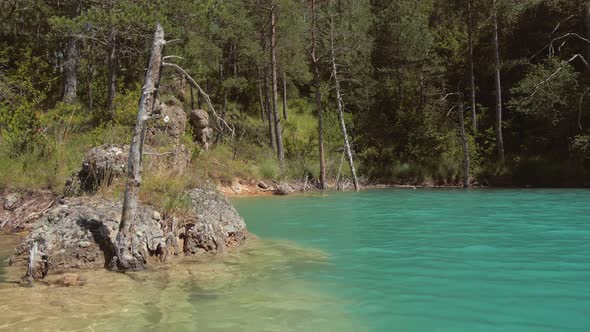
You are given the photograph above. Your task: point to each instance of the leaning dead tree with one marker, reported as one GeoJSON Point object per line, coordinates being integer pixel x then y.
{"type": "Point", "coordinates": [464, 142]}
{"type": "Point", "coordinates": [129, 255]}
{"type": "Point", "coordinates": [340, 103]}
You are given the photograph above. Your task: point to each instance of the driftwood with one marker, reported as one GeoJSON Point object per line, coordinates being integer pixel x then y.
{"type": "Point", "coordinates": [38, 266]}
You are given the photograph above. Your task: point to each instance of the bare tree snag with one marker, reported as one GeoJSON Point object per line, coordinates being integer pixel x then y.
{"type": "Point", "coordinates": [275, 98]}
{"type": "Point", "coordinates": [340, 103]}
{"type": "Point", "coordinates": [129, 255]}
{"type": "Point", "coordinates": [318, 94]}
{"type": "Point", "coordinates": [37, 266]}
{"type": "Point", "coordinates": [498, 84]}
{"type": "Point", "coordinates": [471, 63]}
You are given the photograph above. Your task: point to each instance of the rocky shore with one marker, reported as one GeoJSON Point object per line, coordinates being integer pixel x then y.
{"type": "Point", "coordinates": [76, 230]}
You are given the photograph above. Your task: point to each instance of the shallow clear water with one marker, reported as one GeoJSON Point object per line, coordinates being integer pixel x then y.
{"type": "Point", "coordinates": [381, 260]}
{"type": "Point", "coordinates": [444, 260]}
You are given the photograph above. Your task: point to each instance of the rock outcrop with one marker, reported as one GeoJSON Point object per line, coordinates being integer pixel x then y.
{"type": "Point", "coordinates": [283, 189]}
{"type": "Point", "coordinates": [79, 234]}
{"type": "Point", "coordinates": [215, 224]}
{"type": "Point", "coordinates": [19, 211]}
{"type": "Point", "coordinates": [202, 131]}
{"type": "Point", "coordinates": [168, 126]}
{"type": "Point", "coordinates": [101, 166]}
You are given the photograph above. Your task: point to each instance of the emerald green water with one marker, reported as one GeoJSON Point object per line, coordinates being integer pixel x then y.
{"type": "Point", "coordinates": [381, 260]}
{"type": "Point", "coordinates": [443, 260]}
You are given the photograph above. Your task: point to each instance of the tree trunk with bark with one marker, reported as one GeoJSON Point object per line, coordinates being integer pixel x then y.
{"type": "Point", "coordinates": [464, 143]}
{"type": "Point", "coordinates": [72, 61]}
{"type": "Point", "coordinates": [112, 74]}
{"type": "Point", "coordinates": [318, 94]}
{"type": "Point", "coordinates": [275, 99]}
{"type": "Point", "coordinates": [587, 27]}
{"type": "Point", "coordinates": [269, 112]}
{"type": "Point", "coordinates": [285, 96]}
{"type": "Point", "coordinates": [340, 103]}
{"type": "Point", "coordinates": [129, 256]}
{"type": "Point", "coordinates": [471, 64]}
{"type": "Point", "coordinates": [498, 84]}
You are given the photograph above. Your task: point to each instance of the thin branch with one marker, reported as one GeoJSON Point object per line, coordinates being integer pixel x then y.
{"type": "Point", "coordinates": [202, 92]}
{"type": "Point", "coordinates": [559, 24]}
{"type": "Point", "coordinates": [173, 41]}
{"type": "Point", "coordinates": [566, 37]}
{"type": "Point", "coordinates": [172, 57]}
{"type": "Point", "coordinates": [550, 77]}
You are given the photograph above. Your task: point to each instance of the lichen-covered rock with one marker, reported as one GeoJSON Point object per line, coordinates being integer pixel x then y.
{"type": "Point", "coordinates": [79, 234]}
{"type": "Point", "coordinates": [215, 224]}
{"type": "Point", "coordinates": [101, 166]}
{"type": "Point", "coordinates": [168, 126]}
{"type": "Point", "coordinates": [199, 121]}
{"type": "Point", "coordinates": [283, 189]}
{"type": "Point", "coordinates": [19, 211]}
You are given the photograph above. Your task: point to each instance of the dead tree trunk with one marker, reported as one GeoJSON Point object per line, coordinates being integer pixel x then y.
{"type": "Point", "coordinates": [464, 143]}
{"type": "Point", "coordinates": [318, 94]}
{"type": "Point", "coordinates": [471, 63]}
{"type": "Point", "coordinates": [129, 255]}
{"type": "Point", "coordinates": [498, 84]}
{"type": "Point", "coordinates": [340, 103]}
{"type": "Point", "coordinates": [38, 265]}
{"type": "Point", "coordinates": [285, 96]}
{"type": "Point", "coordinates": [275, 98]}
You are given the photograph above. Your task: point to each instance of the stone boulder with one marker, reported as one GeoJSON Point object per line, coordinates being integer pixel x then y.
{"type": "Point", "coordinates": [168, 126]}
{"type": "Point", "coordinates": [215, 224]}
{"type": "Point", "coordinates": [202, 131]}
{"type": "Point", "coordinates": [79, 234]}
{"type": "Point", "coordinates": [101, 166]}
{"type": "Point", "coordinates": [283, 189]}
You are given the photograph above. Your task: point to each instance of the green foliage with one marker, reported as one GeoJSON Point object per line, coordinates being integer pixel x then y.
{"type": "Point", "coordinates": [546, 92]}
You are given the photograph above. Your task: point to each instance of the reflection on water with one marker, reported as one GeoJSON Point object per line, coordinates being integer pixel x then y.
{"type": "Point", "coordinates": [256, 289]}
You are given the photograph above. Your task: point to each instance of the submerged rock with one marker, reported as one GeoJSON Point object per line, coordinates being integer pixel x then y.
{"type": "Point", "coordinates": [215, 224]}
{"type": "Point", "coordinates": [80, 233]}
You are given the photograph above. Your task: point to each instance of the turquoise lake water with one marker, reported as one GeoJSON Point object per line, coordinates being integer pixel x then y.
{"type": "Point", "coordinates": [380, 260]}
{"type": "Point", "coordinates": [443, 260]}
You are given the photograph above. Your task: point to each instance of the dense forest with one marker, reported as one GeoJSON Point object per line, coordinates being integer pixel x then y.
{"type": "Point", "coordinates": [434, 92]}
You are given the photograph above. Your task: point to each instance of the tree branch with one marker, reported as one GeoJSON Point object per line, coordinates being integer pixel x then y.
{"type": "Point", "coordinates": [192, 81]}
